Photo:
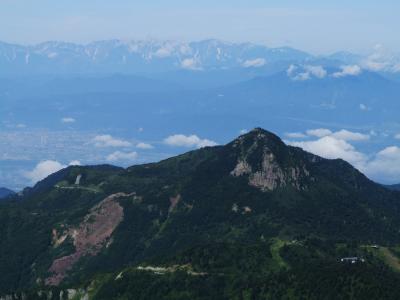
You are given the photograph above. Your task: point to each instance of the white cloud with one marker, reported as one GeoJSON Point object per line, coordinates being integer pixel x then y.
{"type": "Point", "coordinates": [254, 63]}
{"type": "Point", "coordinates": [350, 136]}
{"type": "Point", "coordinates": [144, 146]}
{"type": "Point", "coordinates": [385, 165]}
{"type": "Point", "coordinates": [306, 72]}
{"type": "Point", "coordinates": [351, 70]}
{"type": "Point", "coordinates": [378, 60]}
{"type": "Point", "coordinates": [75, 163]}
{"type": "Point", "coordinates": [390, 152]}
{"type": "Point", "coordinates": [302, 77]}
{"type": "Point", "coordinates": [243, 131]}
{"type": "Point", "coordinates": [109, 141]}
{"type": "Point", "coordinates": [190, 64]}
{"type": "Point", "coordinates": [316, 71]}
{"type": "Point", "coordinates": [364, 107]}
{"type": "Point", "coordinates": [46, 168]}
{"type": "Point", "coordinates": [68, 120]}
{"type": "Point", "coordinates": [43, 169]}
{"type": "Point", "coordinates": [295, 135]}
{"type": "Point", "coordinates": [375, 66]}
{"type": "Point", "coordinates": [185, 49]}
{"type": "Point", "coordinates": [291, 70]}
{"type": "Point", "coordinates": [180, 140]}
{"type": "Point", "coordinates": [343, 134]}
{"type": "Point", "coordinates": [397, 136]}
{"type": "Point", "coordinates": [163, 52]}
{"type": "Point", "coordinates": [52, 55]}
{"type": "Point", "coordinates": [320, 132]}
{"type": "Point", "coordinates": [332, 148]}
{"type": "Point", "coordinates": [119, 156]}
{"type": "Point", "coordinates": [382, 60]}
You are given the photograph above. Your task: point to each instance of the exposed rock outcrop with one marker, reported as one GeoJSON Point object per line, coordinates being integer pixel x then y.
{"type": "Point", "coordinates": [174, 202]}
{"type": "Point", "coordinates": [266, 172]}
{"type": "Point", "coordinates": [92, 234]}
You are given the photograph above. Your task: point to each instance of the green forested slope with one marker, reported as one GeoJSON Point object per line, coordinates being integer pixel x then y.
{"type": "Point", "coordinates": [254, 219]}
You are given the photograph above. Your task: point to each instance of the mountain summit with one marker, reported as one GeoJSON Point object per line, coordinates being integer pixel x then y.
{"type": "Point", "coordinates": [254, 217]}
{"type": "Point", "coordinates": [268, 162]}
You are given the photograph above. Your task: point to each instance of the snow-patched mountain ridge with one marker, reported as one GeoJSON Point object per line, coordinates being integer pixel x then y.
{"type": "Point", "coordinates": [140, 56]}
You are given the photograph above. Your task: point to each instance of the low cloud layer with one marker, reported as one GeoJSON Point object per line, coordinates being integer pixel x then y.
{"type": "Point", "coordinates": [303, 73]}
{"type": "Point", "coordinates": [188, 141]}
{"type": "Point", "coordinates": [307, 72]}
{"type": "Point", "coordinates": [191, 64]}
{"type": "Point", "coordinates": [353, 70]}
{"type": "Point", "coordinates": [382, 60]}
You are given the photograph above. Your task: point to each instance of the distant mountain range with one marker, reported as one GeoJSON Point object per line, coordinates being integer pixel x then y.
{"type": "Point", "coordinates": [115, 56]}
{"type": "Point", "coordinates": [253, 219]}
{"type": "Point", "coordinates": [150, 56]}
{"type": "Point", "coordinates": [209, 61]}
{"type": "Point", "coordinates": [4, 193]}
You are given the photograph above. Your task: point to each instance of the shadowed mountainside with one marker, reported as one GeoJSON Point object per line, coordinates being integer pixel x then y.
{"type": "Point", "coordinates": [4, 193]}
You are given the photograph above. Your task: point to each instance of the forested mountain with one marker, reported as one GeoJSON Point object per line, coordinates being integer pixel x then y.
{"type": "Point", "coordinates": [253, 219]}
{"type": "Point", "coordinates": [395, 187]}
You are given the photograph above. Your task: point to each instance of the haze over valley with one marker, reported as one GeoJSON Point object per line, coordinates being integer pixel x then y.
{"type": "Point", "coordinates": [129, 102]}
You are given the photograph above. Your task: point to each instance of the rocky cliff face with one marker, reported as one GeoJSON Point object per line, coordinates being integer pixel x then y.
{"type": "Point", "coordinates": [266, 172]}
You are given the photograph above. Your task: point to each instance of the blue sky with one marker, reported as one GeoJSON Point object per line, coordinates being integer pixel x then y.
{"type": "Point", "coordinates": [315, 26]}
